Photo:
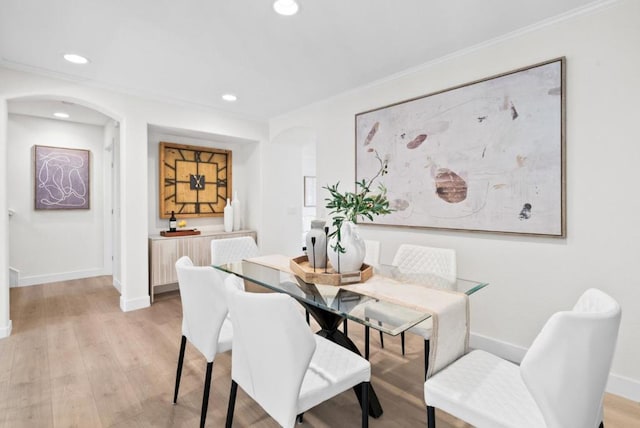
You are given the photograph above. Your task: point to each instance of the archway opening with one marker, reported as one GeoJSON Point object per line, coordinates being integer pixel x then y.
{"type": "Point", "coordinates": [52, 236]}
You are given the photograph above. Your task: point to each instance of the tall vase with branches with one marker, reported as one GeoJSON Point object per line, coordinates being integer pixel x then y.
{"type": "Point", "coordinates": [364, 203]}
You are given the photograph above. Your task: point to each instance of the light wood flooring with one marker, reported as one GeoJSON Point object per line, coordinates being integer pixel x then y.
{"type": "Point", "coordinates": [75, 360]}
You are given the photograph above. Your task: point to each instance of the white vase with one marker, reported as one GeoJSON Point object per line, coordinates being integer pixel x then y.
{"type": "Point", "coordinates": [228, 217]}
{"type": "Point", "coordinates": [316, 243]}
{"type": "Point", "coordinates": [351, 260]}
{"type": "Point", "coordinates": [237, 212]}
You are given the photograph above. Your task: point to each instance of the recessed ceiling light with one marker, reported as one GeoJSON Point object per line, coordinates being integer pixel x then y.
{"type": "Point", "coordinates": [76, 59]}
{"type": "Point", "coordinates": [229, 97]}
{"type": "Point", "coordinates": [61, 115]}
{"type": "Point", "coordinates": [286, 7]}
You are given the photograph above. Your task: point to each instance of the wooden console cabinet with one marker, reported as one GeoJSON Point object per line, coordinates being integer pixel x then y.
{"type": "Point", "coordinates": [165, 251]}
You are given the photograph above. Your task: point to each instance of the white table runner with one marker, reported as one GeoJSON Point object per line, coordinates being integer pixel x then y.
{"type": "Point", "coordinates": [449, 315]}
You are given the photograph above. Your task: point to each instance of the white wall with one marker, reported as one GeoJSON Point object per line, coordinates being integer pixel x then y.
{"type": "Point", "coordinates": [282, 189]}
{"type": "Point", "coordinates": [53, 245]}
{"type": "Point", "coordinates": [5, 322]}
{"type": "Point", "coordinates": [112, 130]}
{"type": "Point", "coordinates": [533, 277]}
{"type": "Point", "coordinates": [245, 179]}
{"type": "Point", "coordinates": [308, 169]}
{"type": "Point", "coordinates": [109, 132]}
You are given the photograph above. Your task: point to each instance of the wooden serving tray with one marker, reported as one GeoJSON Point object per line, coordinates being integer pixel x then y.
{"type": "Point", "coordinates": [301, 267]}
{"type": "Point", "coordinates": [180, 233]}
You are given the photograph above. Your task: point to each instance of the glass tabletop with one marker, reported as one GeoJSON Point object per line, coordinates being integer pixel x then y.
{"type": "Point", "coordinates": [346, 303]}
{"type": "Point", "coordinates": [431, 280]}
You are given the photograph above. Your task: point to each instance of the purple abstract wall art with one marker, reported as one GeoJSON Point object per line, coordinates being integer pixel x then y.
{"type": "Point", "coordinates": [62, 179]}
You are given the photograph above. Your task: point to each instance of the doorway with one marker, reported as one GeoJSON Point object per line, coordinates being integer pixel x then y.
{"type": "Point", "coordinates": [49, 245]}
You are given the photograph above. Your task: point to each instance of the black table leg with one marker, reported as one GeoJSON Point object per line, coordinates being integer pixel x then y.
{"type": "Point", "coordinates": [329, 323]}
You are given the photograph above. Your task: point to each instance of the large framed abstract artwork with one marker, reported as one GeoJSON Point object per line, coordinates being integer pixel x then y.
{"type": "Point", "coordinates": [484, 156]}
{"type": "Point", "coordinates": [62, 178]}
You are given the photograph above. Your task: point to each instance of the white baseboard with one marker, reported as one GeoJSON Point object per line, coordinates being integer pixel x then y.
{"type": "Point", "coordinates": [624, 387]}
{"type": "Point", "coordinates": [164, 288]}
{"type": "Point", "coordinates": [6, 330]}
{"type": "Point", "coordinates": [14, 277]}
{"type": "Point", "coordinates": [56, 277]}
{"type": "Point", "coordinates": [505, 350]}
{"type": "Point", "coordinates": [134, 304]}
{"type": "Point", "coordinates": [117, 285]}
{"type": "Point", "coordinates": [618, 385]}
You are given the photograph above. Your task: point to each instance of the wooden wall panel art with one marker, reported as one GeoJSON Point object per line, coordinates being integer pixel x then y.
{"type": "Point", "coordinates": [194, 181]}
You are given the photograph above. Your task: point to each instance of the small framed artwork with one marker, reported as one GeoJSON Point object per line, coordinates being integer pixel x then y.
{"type": "Point", "coordinates": [482, 156]}
{"type": "Point", "coordinates": [309, 191]}
{"type": "Point", "coordinates": [62, 178]}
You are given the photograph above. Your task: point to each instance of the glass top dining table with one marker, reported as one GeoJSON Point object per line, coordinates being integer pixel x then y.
{"type": "Point", "coordinates": [330, 305]}
{"type": "Point", "coordinates": [347, 303]}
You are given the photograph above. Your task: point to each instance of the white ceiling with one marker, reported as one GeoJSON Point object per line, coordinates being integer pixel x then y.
{"type": "Point", "coordinates": [196, 50]}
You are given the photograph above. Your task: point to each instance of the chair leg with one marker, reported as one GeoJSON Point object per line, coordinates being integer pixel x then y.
{"type": "Point", "coordinates": [183, 345]}
{"type": "Point", "coordinates": [344, 327]}
{"type": "Point", "coordinates": [402, 341]}
{"type": "Point", "coordinates": [306, 314]}
{"type": "Point", "coordinates": [366, 342]}
{"type": "Point", "coordinates": [601, 424]}
{"type": "Point", "coordinates": [205, 397]}
{"type": "Point", "coordinates": [426, 358]}
{"type": "Point", "coordinates": [431, 417]}
{"type": "Point", "coordinates": [381, 337]}
{"type": "Point", "coordinates": [300, 418]}
{"type": "Point", "coordinates": [365, 404]}
{"type": "Point", "coordinates": [232, 403]}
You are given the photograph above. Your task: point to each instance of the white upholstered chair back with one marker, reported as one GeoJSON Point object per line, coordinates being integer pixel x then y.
{"type": "Point", "coordinates": [417, 261]}
{"type": "Point", "coordinates": [567, 366]}
{"type": "Point", "coordinates": [270, 357]}
{"type": "Point", "coordinates": [232, 250]}
{"type": "Point", "coordinates": [204, 305]}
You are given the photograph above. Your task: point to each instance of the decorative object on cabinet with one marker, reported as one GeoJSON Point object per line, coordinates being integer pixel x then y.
{"type": "Point", "coordinates": [180, 232]}
{"type": "Point", "coordinates": [173, 222]}
{"type": "Point", "coordinates": [62, 178]}
{"type": "Point", "coordinates": [165, 251]}
{"type": "Point", "coordinates": [194, 181]}
{"type": "Point", "coordinates": [228, 216]}
{"type": "Point", "coordinates": [484, 156]}
{"type": "Point", "coordinates": [237, 212]}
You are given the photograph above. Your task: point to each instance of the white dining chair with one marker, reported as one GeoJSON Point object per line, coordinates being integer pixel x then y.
{"type": "Point", "coordinates": [560, 383]}
{"type": "Point", "coordinates": [204, 319]}
{"type": "Point", "coordinates": [230, 250]}
{"type": "Point", "coordinates": [281, 365]}
{"type": "Point", "coordinates": [419, 265]}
